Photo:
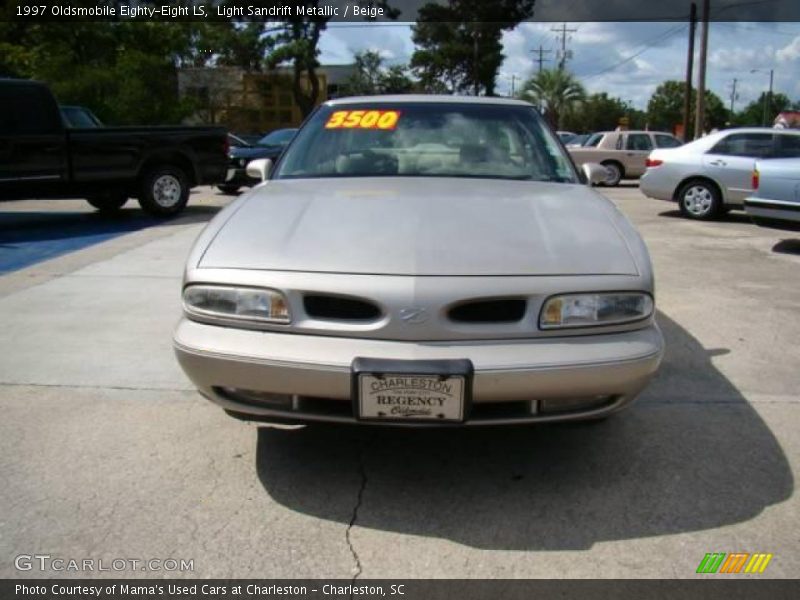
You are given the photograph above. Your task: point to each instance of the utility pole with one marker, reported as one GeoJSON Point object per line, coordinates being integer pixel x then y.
{"type": "Point", "coordinates": [733, 96]}
{"type": "Point", "coordinates": [687, 99]}
{"type": "Point", "coordinates": [475, 86]}
{"type": "Point", "coordinates": [513, 81]}
{"type": "Point", "coordinates": [541, 60]}
{"type": "Point", "coordinates": [562, 61]}
{"type": "Point", "coordinates": [699, 126]}
{"type": "Point", "coordinates": [768, 102]}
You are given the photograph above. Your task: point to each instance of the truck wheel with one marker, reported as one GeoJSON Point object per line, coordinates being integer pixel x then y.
{"type": "Point", "coordinates": [109, 203]}
{"type": "Point", "coordinates": [614, 173]}
{"type": "Point", "coordinates": [165, 191]}
{"type": "Point", "coordinates": [228, 189]}
{"type": "Point", "coordinates": [699, 199]}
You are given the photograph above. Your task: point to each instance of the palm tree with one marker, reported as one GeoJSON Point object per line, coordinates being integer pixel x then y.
{"type": "Point", "coordinates": [555, 89]}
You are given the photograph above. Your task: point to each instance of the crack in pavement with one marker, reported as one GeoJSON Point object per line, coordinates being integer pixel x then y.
{"type": "Point", "coordinates": [357, 569]}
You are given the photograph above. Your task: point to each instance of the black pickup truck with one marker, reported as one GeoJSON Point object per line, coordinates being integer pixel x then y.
{"type": "Point", "coordinates": [41, 158]}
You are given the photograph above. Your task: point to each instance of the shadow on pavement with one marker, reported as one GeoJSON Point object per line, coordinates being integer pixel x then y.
{"type": "Point", "coordinates": [729, 217]}
{"type": "Point", "coordinates": [692, 454]}
{"type": "Point", "coordinates": [789, 246]}
{"type": "Point", "coordinates": [27, 238]}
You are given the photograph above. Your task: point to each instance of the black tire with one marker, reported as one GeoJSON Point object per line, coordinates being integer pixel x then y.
{"type": "Point", "coordinates": [699, 199]}
{"type": "Point", "coordinates": [109, 203]}
{"type": "Point", "coordinates": [164, 191]}
{"type": "Point", "coordinates": [615, 173]}
{"type": "Point", "coordinates": [228, 189]}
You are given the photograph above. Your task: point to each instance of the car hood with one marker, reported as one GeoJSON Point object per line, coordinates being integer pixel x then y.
{"type": "Point", "coordinates": [423, 226]}
{"type": "Point", "coordinates": [254, 152]}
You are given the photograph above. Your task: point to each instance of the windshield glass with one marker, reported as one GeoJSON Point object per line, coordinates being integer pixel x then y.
{"type": "Point", "coordinates": [278, 137]}
{"type": "Point", "coordinates": [79, 118]}
{"type": "Point", "coordinates": [433, 139]}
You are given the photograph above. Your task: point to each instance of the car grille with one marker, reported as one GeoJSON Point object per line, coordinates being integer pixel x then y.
{"type": "Point", "coordinates": [509, 310]}
{"type": "Point", "coordinates": [340, 308]}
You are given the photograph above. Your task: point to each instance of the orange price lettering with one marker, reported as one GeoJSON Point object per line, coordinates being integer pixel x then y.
{"type": "Point", "coordinates": [363, 119]}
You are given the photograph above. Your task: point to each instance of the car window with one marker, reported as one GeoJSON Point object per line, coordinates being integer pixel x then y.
{"type": "Point", "coordinates": [79, 118]}
{"type": "Point", "coordinates": [427, 139]}
{"type": "Point", "coordinates": [751, 145]}
{"type": "Point", "coordinates": [593, 140]}
{"type": "Point", "coordinates": [787, 146]}
{"type": "Point", "coordinates": [281, 136]}
{"type": "Point", "coordinates": [667, 141]}
{"type": "Point", "coordinates": [618, 144]}
{"type": "Point", "coordinates": [639, 142]}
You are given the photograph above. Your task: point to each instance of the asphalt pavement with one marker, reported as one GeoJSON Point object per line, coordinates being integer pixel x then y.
{"type": "Point", "coordinates": [106, 452]}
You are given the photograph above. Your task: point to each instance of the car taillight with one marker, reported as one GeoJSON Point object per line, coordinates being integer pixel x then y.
{"type": "Point", "coordinates": [653, 162]}
{"type": "Point", "coordinates": [756, 179]}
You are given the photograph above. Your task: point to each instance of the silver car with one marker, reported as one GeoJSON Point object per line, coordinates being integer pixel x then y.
{"type": "Point", "coordinates": [776, 197]}
{"type": "Point", "coordinates": [420, 260]}
{"type": "Point", "coordinates": [714, 173]}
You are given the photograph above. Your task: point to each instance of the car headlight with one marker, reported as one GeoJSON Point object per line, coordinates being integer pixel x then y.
{"type": "Point", "coordinates": [587, 310]}
{"type": "Point", "coordinates": [241, 303]}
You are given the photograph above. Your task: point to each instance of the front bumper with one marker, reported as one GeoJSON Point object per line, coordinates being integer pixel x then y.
{"type": "Point", "coordinates": [308, 378]}
{"type": "Point", "coordinates": [269, 376]}
{"type": "Point", "coordinates": [239, 176]}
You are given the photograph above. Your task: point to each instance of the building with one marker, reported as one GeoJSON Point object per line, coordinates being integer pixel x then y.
{"type": "Point", "coordinates": [251, 101]}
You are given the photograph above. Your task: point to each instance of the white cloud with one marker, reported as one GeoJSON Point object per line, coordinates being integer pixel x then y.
{"type": "Point", "coordinates": [790, 52]}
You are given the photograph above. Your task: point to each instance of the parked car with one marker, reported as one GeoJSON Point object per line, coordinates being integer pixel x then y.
{"type": "Point", "coordinates": [713, 174]}
{"type": "Point", "coordinates": [775, 201]}
{"type": "Point", "coordinates": [79, 117]}
{"type": "Point", "coordinates": [565, 136]}
{"type": "Point", "coordinates": [578, 141]}
{"type": "Point", "coordinates": [420, 260]}
{"type": "Point", "coordinates": [270, 146]}
{"type": "Point", "coordinates": [236, 140]}
{"type": "Point", "coordinates": [41, 158]}
{"type": "Point", "coordinates": [622, 153]}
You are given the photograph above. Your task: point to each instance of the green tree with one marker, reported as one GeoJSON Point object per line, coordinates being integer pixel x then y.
{"type": "Point", "coordinates": [556, 91]}
{"type": "Point", "coordinates": [753, 113]}
{"type": "Point", "coordinates": [297, 42]}
{"type": "Point", "coordinates": [371, 77]}
{"type": "Point", "coordinates": [125, 72]}
{"type": "Point", "coordinates": [665, 109]}
{"type": "Point", "coordinates": [459, 46]}
{"type": "Point", "coordinates": [597, 112]}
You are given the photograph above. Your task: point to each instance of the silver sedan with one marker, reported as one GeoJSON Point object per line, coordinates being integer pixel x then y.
{"type": "Point", "coordinates": [714, 174]}
{"type": "Point", "coordinates": [776, 198]}
{"type": "Point", "coordinates": [420, 260]}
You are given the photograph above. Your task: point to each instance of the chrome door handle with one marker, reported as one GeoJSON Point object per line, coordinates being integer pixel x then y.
{"type": "Point", "coordinates": [718, 163]}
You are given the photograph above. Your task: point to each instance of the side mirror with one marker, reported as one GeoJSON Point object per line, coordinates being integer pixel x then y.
{"type": "Point", "coordinates": [259, 168]}
{"type": "Point", "coordinates": [595, 173]}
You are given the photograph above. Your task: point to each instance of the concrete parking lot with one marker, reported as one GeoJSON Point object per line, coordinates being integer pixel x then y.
{"type": "Point", "coordinates": [107, 452]}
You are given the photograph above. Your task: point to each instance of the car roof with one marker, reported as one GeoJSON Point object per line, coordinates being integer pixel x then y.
{"type": "Point", "coordinates": [427, 98]}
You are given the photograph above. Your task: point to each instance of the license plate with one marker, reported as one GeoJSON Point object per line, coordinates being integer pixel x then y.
{"type": "Point", "coordinates": [432, 391]}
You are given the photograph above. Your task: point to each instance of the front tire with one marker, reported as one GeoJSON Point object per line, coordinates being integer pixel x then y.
{"type": "Point", "coordinates": [614, 174]}
{"type": "Point", "coordinates": [164, 191]}
{"type": "Point", "coordinates": [700, 200]}
{"type": "Point", "coordinates": [108, 204]}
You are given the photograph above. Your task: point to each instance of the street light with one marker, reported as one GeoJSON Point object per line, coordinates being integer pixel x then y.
{"type": "Point", "coordinates": [768, 99]}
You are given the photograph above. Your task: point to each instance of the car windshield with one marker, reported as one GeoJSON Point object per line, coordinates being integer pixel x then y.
{"type": "Point", "coordinates": [426, 139]}
{"type": "Point", "coordinates": [79, 118]}
{"type": "Point", "coordinates": [594, 140]}
{"type": "Point", "coordinates": [281, 136]}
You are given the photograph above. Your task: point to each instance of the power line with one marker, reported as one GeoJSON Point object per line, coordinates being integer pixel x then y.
{"type": "Point", "coordinates": [662, 37]}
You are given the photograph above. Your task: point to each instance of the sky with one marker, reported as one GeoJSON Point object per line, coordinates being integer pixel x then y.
{"type": "Point", "coordinates": [627, 60]}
